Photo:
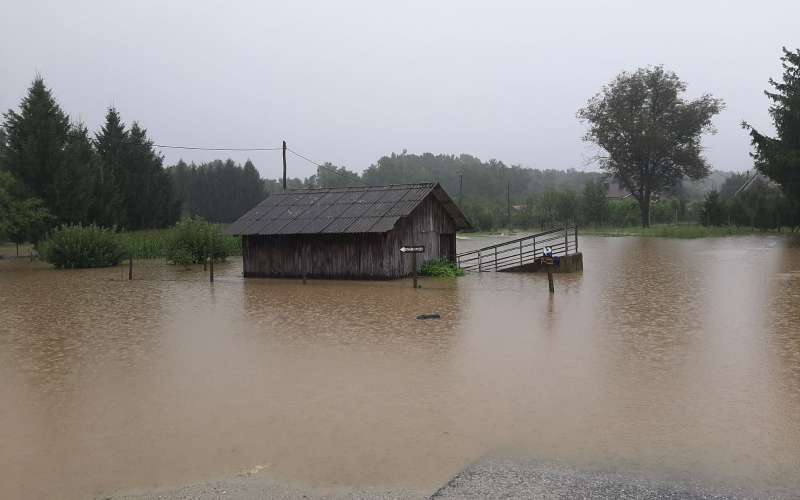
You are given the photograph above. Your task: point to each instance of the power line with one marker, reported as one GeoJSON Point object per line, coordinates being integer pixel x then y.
{"type": "Point", "coordinates": [215, 149]}
{"type": "Point", "coordinates": [199, 148]}
{"type": "Point", "coordinates": [309, 160]}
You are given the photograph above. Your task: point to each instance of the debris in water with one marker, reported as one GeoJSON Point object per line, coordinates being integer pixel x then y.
{"type": "Point", "coordinates": [428, 316]}
{"type": "Point", "coordinates": [254, 470]}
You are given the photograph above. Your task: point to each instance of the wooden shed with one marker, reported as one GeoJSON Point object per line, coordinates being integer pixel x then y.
{"type": "Point", "coordinates": [348, 233]}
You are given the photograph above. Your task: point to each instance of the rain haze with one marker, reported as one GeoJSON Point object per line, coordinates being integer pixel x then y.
{"type": "Point", "coordinates": [466, 307]}
{"type": "Point", "coordinates": [348, 82]}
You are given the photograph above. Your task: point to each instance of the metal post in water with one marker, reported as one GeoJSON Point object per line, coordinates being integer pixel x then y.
{"type": "Point", "coordinates": [211, 269]}
{"type": "Point", "coordinates": [576, 238]}
{"type": "Point", "coordinates": [550, 278]}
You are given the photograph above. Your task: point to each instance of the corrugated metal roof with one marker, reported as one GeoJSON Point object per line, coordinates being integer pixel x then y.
{"type": "Point", "coordinates": [368, 209]}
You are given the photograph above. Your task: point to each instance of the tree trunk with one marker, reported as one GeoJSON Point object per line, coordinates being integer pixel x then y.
{"type": "Point", "coordinates": [644, 208]}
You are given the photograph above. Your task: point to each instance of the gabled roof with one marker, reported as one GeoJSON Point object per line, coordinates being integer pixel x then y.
{"type": "Point", "coordinates": [367, 209]}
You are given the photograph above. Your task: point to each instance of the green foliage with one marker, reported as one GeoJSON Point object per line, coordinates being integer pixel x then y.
{"type": "Point", "coordinates": [779, 157]}
{"type": "Point", "coordinates": [48, 155]}
{"type": "Point", "coordinates": [21, 219]}
{"type": "Point", "coordinates": [134, 189]}
{"type": "Point", "coordinates": [217, 191]}
{"type": "Point", "coordinates": [193, 240]}
{"type": "Point", "coordinates": [713, 210]}
{"type": "Point", "coordinates": [650, 133]}
{"type": "Point", "coordinates": [156, 243]}
{"type": "Point", "coordinates": [593, 204]}
{"type": "Point", "coordinates": [437, 268]}
{"type": "Point", "coordinates": [329, 175]}
{"type": "Point", "coordinates": [77, 246]}
{"type": "Point", "coordinates": [118, 180]}
{"type": "Point", "coordinates": [682, 231]}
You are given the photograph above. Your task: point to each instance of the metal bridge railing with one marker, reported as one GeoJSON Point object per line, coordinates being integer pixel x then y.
{"type": "Point", "coordinates": [513, 253]}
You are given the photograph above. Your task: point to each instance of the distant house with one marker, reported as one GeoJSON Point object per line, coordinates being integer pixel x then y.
{"type": "Point", "coordinates": [616, 191]}
{"type": "Point", "coordinates": [348, 233]}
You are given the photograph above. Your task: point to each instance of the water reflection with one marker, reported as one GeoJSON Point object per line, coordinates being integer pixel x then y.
{"type": "Point", "coordinates": [678, 357]}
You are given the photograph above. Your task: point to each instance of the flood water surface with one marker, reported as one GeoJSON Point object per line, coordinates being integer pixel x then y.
{"type": "Point", "coordinates": [676, 357]}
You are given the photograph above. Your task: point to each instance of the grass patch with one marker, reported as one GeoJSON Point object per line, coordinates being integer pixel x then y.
{"type": "Point", "coordinates": [441, 269]}
{"type": "Point", "coordinates": [688, 231]}
{"type": "Point", "coordinates": [684, 231]}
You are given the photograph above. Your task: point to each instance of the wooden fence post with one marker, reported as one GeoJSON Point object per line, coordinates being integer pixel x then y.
{"type": "Point", "coordinates": [414, 268]}
{"type": "Point", "coordinates": [130, 268]}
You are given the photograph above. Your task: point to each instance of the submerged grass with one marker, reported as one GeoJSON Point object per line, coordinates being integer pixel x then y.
{"type": "Point", "coordinates": [689, 231]}
{"type": "Point", "coordinates": [684, 231]}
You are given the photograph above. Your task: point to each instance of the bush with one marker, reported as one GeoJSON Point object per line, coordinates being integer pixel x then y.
{"type": "Point", "coordinates": [78, 246]}
{"type": "Point", "coordinates": [193, 240]}
{"type": "Point", "coordinates": [441, 269]}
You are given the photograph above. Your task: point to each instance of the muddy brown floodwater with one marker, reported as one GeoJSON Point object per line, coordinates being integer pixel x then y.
{"type": "Point", "coordinates": [680, 357]}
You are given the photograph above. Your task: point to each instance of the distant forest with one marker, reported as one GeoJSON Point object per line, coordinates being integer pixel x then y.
{"type": "Point", "coordinates": [221, 191]}
{"type": "Point", "coordinates": [53, 171]}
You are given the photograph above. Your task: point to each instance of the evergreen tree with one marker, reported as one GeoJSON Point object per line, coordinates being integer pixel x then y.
{"type": "Point", "coordinates": [779, 157]}
{"type": "Point", "coordinates": [148, 193]}
{"type": "Point", "coordinates": [217, 191]}
{"type": "Point", "coordinates": [49, 157]}
{"type": "Point", "coordinates": [72, 182]}
{"type": "Point", "coordinates": [133, 189]}
{"type": "Point", "coordinates": [109, 192]}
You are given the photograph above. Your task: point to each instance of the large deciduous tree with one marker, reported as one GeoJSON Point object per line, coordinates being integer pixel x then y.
{"type": "Point", "coordinates": [779, 157]}
{"type": "Point", "coordinates": [650, 132]}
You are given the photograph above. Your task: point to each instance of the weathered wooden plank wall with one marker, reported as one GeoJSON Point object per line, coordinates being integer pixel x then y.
{"type": "Point", "coordinates": [353, 256]}
{"type": "Point", "coordinates": [427, 225]}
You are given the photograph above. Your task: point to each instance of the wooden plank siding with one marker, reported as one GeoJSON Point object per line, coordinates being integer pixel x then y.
{"type": "Point", "coordinates": [353, 255]}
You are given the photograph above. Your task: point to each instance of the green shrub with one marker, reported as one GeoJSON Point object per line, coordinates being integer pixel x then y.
{"type": "Point", "coordinates": [437, 268]}
{"type": "Point", "coordinates": [78, 246]}
{"type": "Point", "coordinates": [193, 240]}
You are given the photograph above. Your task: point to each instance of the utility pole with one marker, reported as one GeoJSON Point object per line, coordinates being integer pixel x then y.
{"type": "Point", "coordinates": [460, 190]}
{"type": "Point", "coordinates": [284, 165]}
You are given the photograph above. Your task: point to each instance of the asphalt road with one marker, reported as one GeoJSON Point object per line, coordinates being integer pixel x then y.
{"type": "Point", "coordinates": [489, 478]}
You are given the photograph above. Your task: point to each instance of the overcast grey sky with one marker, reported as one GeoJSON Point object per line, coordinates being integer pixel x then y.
{"type": "Point", "coordinates": [347, 82]}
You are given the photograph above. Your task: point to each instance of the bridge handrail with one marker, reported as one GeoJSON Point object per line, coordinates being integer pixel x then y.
{"type": "Point", "coordinates": [525, 250]}
{"type": "Point", "coordinates": [559, 230]}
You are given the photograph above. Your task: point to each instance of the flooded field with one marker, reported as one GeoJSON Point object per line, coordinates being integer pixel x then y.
{"type": "Point", "coordinates": [675, 357]}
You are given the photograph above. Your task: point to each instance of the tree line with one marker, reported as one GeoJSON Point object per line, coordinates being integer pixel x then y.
{"type": "Point", "coordinates": [53, 172]}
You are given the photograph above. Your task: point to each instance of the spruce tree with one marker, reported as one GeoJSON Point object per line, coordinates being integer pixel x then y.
{"type": "Point", "coordinates": [73, 179]}
{"type": "Point", "coordinates": [109, 191]}
{"type": "Point", "coordinates": [779, 157]}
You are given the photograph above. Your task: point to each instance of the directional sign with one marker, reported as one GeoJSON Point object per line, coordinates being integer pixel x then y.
{"type": "Point", "coordinates": [412, 249]}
